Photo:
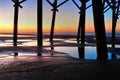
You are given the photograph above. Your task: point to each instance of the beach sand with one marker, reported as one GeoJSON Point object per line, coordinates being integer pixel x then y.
{"type": "Point", "coordinates": [58, 68]}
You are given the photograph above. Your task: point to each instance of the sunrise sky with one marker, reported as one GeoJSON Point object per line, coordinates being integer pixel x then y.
{"type": "Point", "coordinates": [66, 20]}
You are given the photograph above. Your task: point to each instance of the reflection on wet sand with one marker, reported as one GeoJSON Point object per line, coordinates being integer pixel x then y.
{"type": "Point", "coordinates": [66, 45]}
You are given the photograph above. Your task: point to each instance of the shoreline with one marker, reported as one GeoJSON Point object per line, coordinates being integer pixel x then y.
{"type": "Point", "coordinates": [59, 67]}
{"type": "Point", "coordinates": [70, 41]}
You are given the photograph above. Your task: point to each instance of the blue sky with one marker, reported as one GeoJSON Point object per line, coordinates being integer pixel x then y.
{"type": "Point", "coordinates": [67, 18]}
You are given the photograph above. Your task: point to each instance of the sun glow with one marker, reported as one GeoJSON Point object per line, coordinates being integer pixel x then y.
{"type": "Point", "coordinates": [67, 19]}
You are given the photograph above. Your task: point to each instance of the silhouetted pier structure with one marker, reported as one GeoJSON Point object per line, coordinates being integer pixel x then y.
{"type": "Point", "coordinates": [39, 23]}
{"type": "Point", "coordinates": [99, 9]}
{"type": "Point", "coordinates": [55, 5]}
{"type": "Point", "coordinates": [39, 26]}
{"type": "Point", "coordinates": [16, 5]}
{"type": "Point", "coordinates": [99, 24]}
{"type": "Point", "coordinates": [81, 26]}
{"type": "Point", "coordinates": [114, 5]}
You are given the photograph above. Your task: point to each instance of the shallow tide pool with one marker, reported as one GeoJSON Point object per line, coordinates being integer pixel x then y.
{"type": "Point", "coordinates": [90, 52]}
{"type": "Point", "coordinates": [69, 46]}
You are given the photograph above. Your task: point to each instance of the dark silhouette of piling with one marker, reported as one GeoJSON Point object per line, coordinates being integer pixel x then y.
{"type": "Point", "coordinates": [52, 46]}
{"type": "Point", "coordinates": [81, 52]}
{"type": "Point", "coordinates": [15, 22]}
{"type": "Point", "coordinates": [102, 52]}
{"type": "Point", "coordinates": [82, 21]}
{"type": "Point", "coordinates": [39, 23]}
{"type": "Point", "coordinates": [16, 10]}
{"type": "Point", "coordinates": [15, 31]}
{"type": "Point", "coordinates": [16, 54]}
{"type": "Point", "coordinates": [113, 22]}
{"type": "Point", "coordinates": [39, 50]}
{"type": "Point", "coordinates": [81, 26]}
{"type": "Point", "coordinates": [39, 27]}
{"type": "Point", "coordinates": [115, 14]}
{"type": "Point", "coordinates": [53, 20]}
{"type": "Point", "coordinates": [55, 6]}
{"type": "Point", "coordinates": [114, 5]}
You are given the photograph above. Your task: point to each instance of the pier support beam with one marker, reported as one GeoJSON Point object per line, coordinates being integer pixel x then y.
{"type": "Point", "coordinates": [99, 24]}
{"type": "Point", "coordinates": [55, 6]}
{"type": "Point", "coordinates": [39, 26]}
{"type": "Point", "coordinates": [81, 26]}
{"type": "Point", "coordinates": [53, 20]}
{"type": "Point", "coordinates": [39, 23]}
{"type": "Point", "coordinates": [16, 11]}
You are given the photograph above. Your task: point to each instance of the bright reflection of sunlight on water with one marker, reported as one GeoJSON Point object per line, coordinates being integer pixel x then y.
{"type": "Point", "coordinates": [19, 40]}
{"type": "Point", "coordinates": [72, 40]}
{"type": "Point", "coordinates": [26, 54]}
{"type": "Point", "coordinates": [90, 52]}
{"type": "Point", "coordinates": [31, 43]}
{"type": "Point", "coordinates": [117, 46]}
{"type": "Point", "coordinates": [6, 35]}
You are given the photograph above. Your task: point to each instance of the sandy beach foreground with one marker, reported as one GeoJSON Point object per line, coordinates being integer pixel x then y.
{"type": "Point", "coordinates": [57, 68]}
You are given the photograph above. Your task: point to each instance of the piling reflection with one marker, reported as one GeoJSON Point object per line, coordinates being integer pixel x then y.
{"type": "Point", "coordinates": [15, 54]}
{"type": "Point", "coordinates": [52, 46]}
{"type": "Point", "coordinates": [114, 56]}
{"type": "Point", "coordinates": [81, 51]}
{"type": "Point", "coordinates": [39, 51]}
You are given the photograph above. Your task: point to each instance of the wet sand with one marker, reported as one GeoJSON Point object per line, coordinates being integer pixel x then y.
{"type": "Point", "coordinates": [58, 68]}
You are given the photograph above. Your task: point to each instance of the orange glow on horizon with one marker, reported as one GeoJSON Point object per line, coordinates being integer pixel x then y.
{"type": "Point", "coordinates": [34, 29]}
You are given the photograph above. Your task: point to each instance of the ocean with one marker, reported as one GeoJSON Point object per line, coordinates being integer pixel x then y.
{"type": "Point", "coordinates": [61, 33]}
{"type": "Point", "coordinates": [87, 33]}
